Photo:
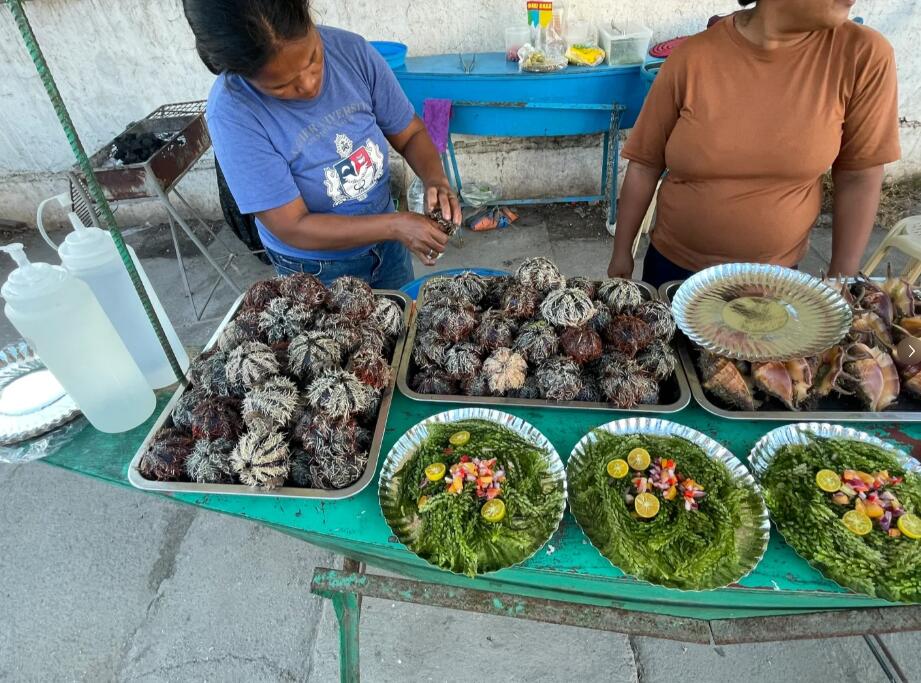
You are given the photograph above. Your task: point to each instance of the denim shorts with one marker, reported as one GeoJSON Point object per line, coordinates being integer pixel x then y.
{"type": "Point", "coordinates": [386, 265]}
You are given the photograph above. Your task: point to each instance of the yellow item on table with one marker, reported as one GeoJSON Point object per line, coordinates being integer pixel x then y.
{"type": "Point", "coordinates": [585, 55]}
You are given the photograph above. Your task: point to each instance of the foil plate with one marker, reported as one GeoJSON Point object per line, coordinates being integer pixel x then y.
{"type": "Point", "coordinates": [833, 408]}
{"type": "Point", "coordinates": [406, 527]}
{"type": "Point", "coordinates": [758, 312]}
{"type": "Point", "coordinates": [675, 392]}
{"type": "Point", "coordinates": [32, 401]}
{"type": "Point", "coordinates": [752, 538]}
{"type": "Point", "coordinates": [139, 481]}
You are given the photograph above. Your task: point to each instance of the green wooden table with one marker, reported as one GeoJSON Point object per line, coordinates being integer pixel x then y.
{"type": "Point", "coordinates": [568, 581]}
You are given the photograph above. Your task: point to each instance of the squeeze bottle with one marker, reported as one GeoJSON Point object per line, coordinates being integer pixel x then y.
{"type": "Point", "coordinates": [61, 319]}
{"type": "Point", "coordinates": [90, 254]}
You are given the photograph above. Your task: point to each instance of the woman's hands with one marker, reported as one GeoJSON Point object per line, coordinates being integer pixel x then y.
{"type": "Point", "coordinates": [440, 195]}
{"type": "Point", "coordinates": [420, 235]}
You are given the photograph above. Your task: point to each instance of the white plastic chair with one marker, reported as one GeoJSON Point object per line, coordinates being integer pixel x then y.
{"type": "Point", "coordinates": [905, 236]}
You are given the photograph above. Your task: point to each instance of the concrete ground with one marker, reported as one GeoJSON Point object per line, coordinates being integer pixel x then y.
{"type": "Point", "coordinates": [101, 584]}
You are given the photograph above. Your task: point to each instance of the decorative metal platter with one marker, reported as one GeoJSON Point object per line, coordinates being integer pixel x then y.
{"type": "Point", "coordinates": [751, 538]}
{"type": "Point", "coordinates": [832, 408]}
{"type": "Point", "coordinates": [32, 401]}
{"type": "Point", "coordinates": [757, 312]}
{"type": "Point", "coordinates": [406, 526]}
{"type": "Point", "coordinates": [674, 394]}
{"type": "Point", "coordinates": [137, 480]}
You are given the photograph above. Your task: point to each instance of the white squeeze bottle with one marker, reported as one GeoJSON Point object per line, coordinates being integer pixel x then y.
{"type": "Point", "coordinates": [90, 254]}
{"type": "Point", "coordinates": [65, 325]}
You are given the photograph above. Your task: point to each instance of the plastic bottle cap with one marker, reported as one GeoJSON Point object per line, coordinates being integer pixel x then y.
{"type": "Point", "coordinates": [30, 280]}
{"type": "Point", "coordinates": [85, 248]}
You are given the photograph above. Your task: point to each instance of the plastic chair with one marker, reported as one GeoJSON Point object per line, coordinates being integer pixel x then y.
{"type": "Point", "coordinates": [412, 289]}
{"type": "Point", "coordinates": [905, 236]}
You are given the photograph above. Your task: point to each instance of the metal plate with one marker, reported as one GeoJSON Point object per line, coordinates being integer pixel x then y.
{"type": "Point", "coordinates": [32, 401]}
{"type": "Point", "coordinates": [404, 527]}
{"type": "Point", "coordinates": [137, 480]}
{"type": "Point", "coordinates": [675, 392]}
{"type": "Point", "coordinates": [758, 312]}
{"type": "Point", "coordinates": [832, 408]}
{"type": "Point", "coordinates": [752, 540]}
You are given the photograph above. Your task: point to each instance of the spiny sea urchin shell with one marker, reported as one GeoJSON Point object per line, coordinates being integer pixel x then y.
{"type": "Point", "coordinates": [584, 284]}
{"type": "Point", "coordinates": [339, 394]}
{"type": "Point", "coordinates": [659, 316]}
{"type": "Point", "coordinates": [478, 385]}
{"type": "Point", "coordinates": [216, 418]}
{"type": "Point", "coordinates": [433, 381]}
{"type": "Point", "coordinates": [352, 297]}
{"type": "Point", "coordinates": [462, 361]}
{"type": "Point", "coordinates": [429, 349]}
{"type": "Point", "coordinates": [494, 331]}
{"type": "Point", "coordinates": [275, 402]}
{"type": "Point", "coordinates": [336, 472]}
{"type": "Point", "coordinates": [370, 368]}
{"type": "Point", "coordinates": [209, 462]}
{"type": "Point", "coordinates": [346, 331]}
{"type": "Point", "coordinates": [182, 411]}
{"type": "Point", "coordinates": [243, 328]}
{"type": "Point", "coordinates": [628, 334]}
{"type": "Point", "coordinates": [259, 295]}
{"type": "Point", "coordinates": [388, 316]}
{"type": "Point", "coordinates": [209, 373]}
{"type": "Point", "coordinates": [537, 341]}
{"type": "Point", "coordinates": [620, 295]}
{"type": "Point", "coordinates": [250, 364]}
{"type": "Point", "coordinates": [260, 458]}
{"type": "Point", "coordinates": [559, 379]}
{"type": "Point", "coordinates": [529, 390]}
{"type": "Point", "coordinates": [658, 360]}
{"type": "Point", "coordinates": [313, 352]}
{"type": "Point", "coordinates": [540, 273]}
{"type": "Point", "coordinates": [582, 344]}
{"type": "Point", "coordinates": [602, 317]}
{"type": "Point", "coordinates": [506, 370]}
{"type": "Point", "coordinates": [440, 287]}
{"type": "Point", "coordinates": [567, 307]}
{"type": "Point", "coordinates": [647, 389]}
{"type": "Point", "coordinates": [472, 286]}
{"type": "Point", "coordinates": [590, 391]}
{"type": "Point", "coordinates": [319, 434]}
{"type": "Point", "coordinates": [495, 290]}
{"type": "Point", "coordinates": [299, 469]}
{"type": "Point", "coordinates": [622, 382]}
{"type": "Point", "coordinates": [283, 319]}
{"type": "Point", "coordinates": [455, 322]}
{"type": "Point", "coordinates": [373, 339]}
{"type": "Point", "coordinates": [520, 301]}
{"type": "Point", "coordinates": [303, 289]}
{"type": "Point", "coordinates": [164, 459]}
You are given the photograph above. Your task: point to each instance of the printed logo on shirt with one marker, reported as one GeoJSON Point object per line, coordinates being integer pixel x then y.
{"type": "Point", "coordinates": [356, 173]}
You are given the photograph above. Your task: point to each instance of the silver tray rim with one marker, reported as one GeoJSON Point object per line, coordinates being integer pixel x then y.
{"type": "Point", "coordinates": [684, 390]}
{"type": "Point", "coordinates": [697, 390]}
{"type": "Point", "coordinates": [138, 481]}
{"type": "Point", "coordinates": [404, 448]}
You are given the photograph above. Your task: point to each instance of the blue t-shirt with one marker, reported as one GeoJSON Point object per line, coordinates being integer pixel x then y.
{"type": "Point", "coordinates": [330, 150]}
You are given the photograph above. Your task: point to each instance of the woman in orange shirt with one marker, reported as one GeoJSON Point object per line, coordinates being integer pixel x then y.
{"type": "Point", "coordinates": [744, 119]}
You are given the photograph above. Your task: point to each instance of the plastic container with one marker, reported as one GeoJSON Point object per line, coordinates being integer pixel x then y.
{"type": "Point", "coordinates": [625, 43]}
{"type": "Point", "coordinates": [515, 38]}
{"type": "Point", "coordinates": [393, 53]}
{"type": "Point", "coordinates": [90, 254]}
{"type": "Point", "coordinates": [579, 33]}
{"type": "Point", "coordinates": [57, 314]}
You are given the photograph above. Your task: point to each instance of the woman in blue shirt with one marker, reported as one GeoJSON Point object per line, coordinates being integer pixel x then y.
{"type": "Point", "coordinates": [300, 118]}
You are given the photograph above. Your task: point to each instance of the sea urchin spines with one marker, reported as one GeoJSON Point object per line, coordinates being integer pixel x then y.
{"type": "Point", "coordinates": [462, 361]}
{"type": "Point", "coordinates": [520, 301]}
{"type": "Point", "coordinates": [274, 402]}
{"type": "Point", "coordinates": [583, 284]}
{"type": "Point", "coordinates": [244, 328]}
{"type": "Point", "coordinates": [559, 379]}
{"type": "Point", "coordinates": [313, 352]}
{"type": "Point", "coordinates": [216, 418]}
{"type": "Point", "coordinates": [590, 391]}
{"type": "Point", "coordinates": [567, 307]}
{"type": "Point", "coordinates": [658, 314]}
{"type": "Point", "coordinates": [283, 319]}
{"type": "Point", "coordinates": [352, 297]}
{"type": "Point", "coordinates": [182, 411]}
{"type": "Point", "coordinates": [345, 330]}
{"type": "Point", "coordinates": [478, 385]}
{"type": "Point", "coordinates": [209, 462]}
{"type": "Point", "coordinates": [370, 368]}
{"type": "Point", "coordinates": [454, 322]}
{"type": "Point", "coordinates": [540, 273]}
{"type": "Point", "coordinates": [259, 295]}
{"type": "Point", "coordinates": [339, 394]}
{"type": "Point", "coordinates": [628, 334]}
{"type": "Point", "coordinates": [582, 344]}
{"type": "Point", "coordinates": [304, 289]}
{"type": "Point", "coordinates": [430, 349]}
{"type": "Point", "coordinates": [260, 458]}
{"type": "Point", "coordinates": [164, 459]}
{"type": "Point", "coordinates": [622, 383]}
{"type": "Point", "coordinates": [536, 341]}
{"type": "Point", "coordinates": [321, 435]}
{"type": "Point", "coordinates": [495, 290]}
{"type": "Point", "coordinates": [251, 364]}
{"type": "Point", "coordinates": [494, 331]}
{"type": "Point", "coordinates": [336, 472]}
{"type": "Point", "coordinates": [658, 360]}
{"type": "Point", "coordinates": [506, 370]}
{"type": "Point", "coordinates": [620, 295]}
{"type": "Point", "coordinates": [432, 381]}
{"type": "Point", "coordinates": [471, 286]}
{"type": "Point", "coordinates": [529, 390]}
{"type": "Point", "coordinates": [388, 316]}
{"type": "Point", "coordinates": [209, 373]}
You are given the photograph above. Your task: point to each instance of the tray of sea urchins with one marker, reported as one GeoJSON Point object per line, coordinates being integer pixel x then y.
{"type": "Point", "coordinates": [539, 339]}
{"type": "Point", "coordinates": [289, 398]}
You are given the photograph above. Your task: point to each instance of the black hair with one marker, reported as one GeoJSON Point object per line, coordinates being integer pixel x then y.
{"type": "Point", "coordinates": [240, 36]}
{"type": "Point", "coordinates": [747, 2]}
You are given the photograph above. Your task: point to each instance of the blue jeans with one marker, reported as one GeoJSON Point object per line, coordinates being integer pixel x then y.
{"type": "Point", "coordinates": [386, 265]}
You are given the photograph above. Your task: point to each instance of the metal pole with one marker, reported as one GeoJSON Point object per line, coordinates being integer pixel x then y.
{"type": "Point", "coordinates": [95, 189]}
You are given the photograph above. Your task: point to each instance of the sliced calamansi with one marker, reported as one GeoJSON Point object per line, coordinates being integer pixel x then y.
{"type": "Point", "coordinates": [435, 471]}
{"type": "Point", "coordinates": [493, 511]}
{"type": "Point", "coordinates": [827, 480]}
{"type": "Point", "coordinates": [618, 468]}
{"type": "Point", "coordinates": [857, 522]}
{"type": "Point", "coordinates": [638, 458]}
{"type": "Point", "coordinates": [459, 438]}
{"type": "Point", "coordinates": [910, 525]}
{"type": "Point", "coordinates": [646, 505]}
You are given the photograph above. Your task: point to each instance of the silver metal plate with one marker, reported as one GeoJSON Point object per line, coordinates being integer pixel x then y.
{"type": "Point", "coordinates": [752, 539]}
{"type": "Point", "coordinates": [137, 480]}
{"type": "Point", "coordinates": [675, 391]}
{"type": "Point", "coordinates": [406, 527]}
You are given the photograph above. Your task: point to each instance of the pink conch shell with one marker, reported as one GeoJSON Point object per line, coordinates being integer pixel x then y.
{"type": "Point", "coordinates": [723, 379]}
{"type": "Point", "coordinates": [831, 366]}
{"type": "Point", "coordinates": [774, 379]}
{"type": "Point", "coordinates": [873, 375]}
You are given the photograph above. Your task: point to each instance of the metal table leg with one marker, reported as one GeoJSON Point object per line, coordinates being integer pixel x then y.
{"type": "Point", "coordinates": [347, 605]}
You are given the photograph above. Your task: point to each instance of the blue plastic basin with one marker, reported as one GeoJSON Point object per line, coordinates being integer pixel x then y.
{"type": "Point", "coordinates": [393, 53]}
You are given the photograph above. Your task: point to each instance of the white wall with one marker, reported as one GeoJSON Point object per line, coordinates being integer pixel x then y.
{"type": "Point", "coordinates": [117, 60]}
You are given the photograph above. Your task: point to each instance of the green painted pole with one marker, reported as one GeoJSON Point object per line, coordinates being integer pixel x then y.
{"type": "Point", "coordinates": [95, 189]}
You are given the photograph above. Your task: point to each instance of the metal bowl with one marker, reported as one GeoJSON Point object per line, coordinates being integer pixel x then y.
{"type": "Point", "coordinates": [752, 537]}
{"type": "Point", "coordinates": [759, 312]}
{"type": "Point", "coordinates": [406, 526]}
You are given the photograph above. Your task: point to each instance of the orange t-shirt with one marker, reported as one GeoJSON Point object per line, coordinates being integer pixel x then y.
{"type": "Point", "coordinates": [746, 134]}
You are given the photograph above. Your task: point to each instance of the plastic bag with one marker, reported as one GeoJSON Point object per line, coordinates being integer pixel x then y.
{"type": "Point", "coordinates": [537, 60]}
{"type": "Point", "coordinates": [44, 445]}
{"type": "Point", "coordinates": [585, 55]}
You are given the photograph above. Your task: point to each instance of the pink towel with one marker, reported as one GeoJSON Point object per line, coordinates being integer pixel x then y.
{"type": "Point", "coordinates": [437, 117]}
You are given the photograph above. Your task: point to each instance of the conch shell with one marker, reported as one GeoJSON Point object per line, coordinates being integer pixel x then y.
{"type": "Point", "coordinates": [774, 379]}
{"type": "Point", "coordinates": [869, 328]}
{"type": "Point", "coordinates": [871, 297]}
{"type": "Point", "coordinates": [911, 380]}
{"type": "Point", "coordinates": [873, 376]}
{"type": "Point", "coordinates": [831, 365]}
{"type": "Point", "coordinates": [900, 292]}
{"type": "Point", "coordinates": [724, 380]}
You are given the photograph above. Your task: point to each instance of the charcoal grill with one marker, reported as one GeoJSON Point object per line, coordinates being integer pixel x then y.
{"type": "Point", "coordinates": [182, 129]}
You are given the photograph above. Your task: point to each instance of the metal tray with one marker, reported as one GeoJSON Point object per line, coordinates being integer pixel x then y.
{"type": "Point", "coordinates": [138, 481]}
{"type": "Point", "coordinates": [831, 409]}
{"type": "Point", "coordinates": [676, 390]}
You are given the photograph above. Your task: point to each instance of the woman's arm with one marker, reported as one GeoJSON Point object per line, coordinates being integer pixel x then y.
{"type": "Point", "coordinates": [414, 144]}
{"type": "Point", "coordinates": [639, 185]}
{"type": "Point", "coordinates": [856, 202]}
